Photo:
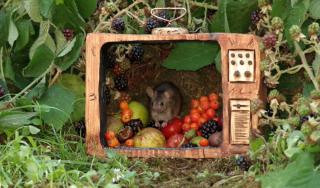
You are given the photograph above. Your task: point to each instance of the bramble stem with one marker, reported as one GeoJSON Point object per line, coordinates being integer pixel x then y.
{"type": "Point", "coordinates": [1, 65]}
{"type": "Point", "coordinates": [201, 4]}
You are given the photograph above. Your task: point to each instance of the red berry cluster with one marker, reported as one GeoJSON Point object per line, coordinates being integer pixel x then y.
{"type": "Point", "coordinates": [68, 34]}
{"type": "Point", "coordinates": [269, 40]}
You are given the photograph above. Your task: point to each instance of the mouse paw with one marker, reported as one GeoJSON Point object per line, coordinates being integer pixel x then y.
{"type": "Point", "coordinates": [164, 124]}
{"type": "Point", "coordinates": [157, 124]}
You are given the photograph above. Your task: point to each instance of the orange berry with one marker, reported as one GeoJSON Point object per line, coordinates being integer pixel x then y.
{"type": "Point", "coordinates": [201, 120]}
{"type": "Point", "coordinates": [129, 143]}
{"type": "Point", "coordinates": [113, 143]}
{"type": "Point", "coordinates": [195, 116]}
{"type": "Point", "coordinates": [210, 113]}
{"type": "Point", "coordinates": [204, 115]}
{"type": "Point", "coordinates": [187, 119]}
{"type": "Point", "coordinates": [110, 135]}
{"type": "Point", "coordinates": [205, 105]}
{"type": "Point", "coordinates": [186, 127]}
{"type": "Point", "coordinates": [194, 110]}
{"type": "Point", "coordinates": [203, 98]}
{"type": "Point", "coordinates": [127, 111]}
{"type": "Point", "coordinates": [124, 105]}
{"type": "Point", "coordinates": [214, 105]}
{"type": "Point", "coordinates": [125, 118]}
{"type": "Point", "coordinates": [199, 133]}
{"type": "Point", "coordinates": [213, 97]}
{"type": "Point", "coordinates": [194, 104]}
{"type": "Point", "coordinates": [194, 126]}
{"type": "Point", "coordinates": [200, 110]}
{"type": "Point", "coordinates": [216, 119]}
{"type": "Point", "coordinates": [204, 142]}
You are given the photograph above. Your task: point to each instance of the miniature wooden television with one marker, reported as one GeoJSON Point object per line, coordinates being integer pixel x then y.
{"type": "Point", "coordinates": [241, 82]}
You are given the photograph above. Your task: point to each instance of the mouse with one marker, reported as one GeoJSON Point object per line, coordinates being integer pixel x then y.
{"type": "Point", "coordinates": [166, 102]}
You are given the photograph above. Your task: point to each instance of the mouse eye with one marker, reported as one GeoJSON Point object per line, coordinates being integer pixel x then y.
{"type": "Point", "coordinates": [152, 103]}
{"type": "Point", "coordinates": [161, 104]}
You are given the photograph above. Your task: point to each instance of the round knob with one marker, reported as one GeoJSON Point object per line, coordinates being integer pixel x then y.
{"type": "Point", "coordinates": [250, 62]}
{"type": "Point", "coordinates": [237, 73]}
{"type": "Point", "coordinates": [233, 62]}
{"type": "Point", "coordinates": [247, 73]}
{"type": "Point", "coordinates": [232, 55]}
{"type": "Point", "coordinates": [241, 62]}
{"type": "Point", "coordinates": [247, 55]}
{"type": "Point", "coordinates": [238, 106]}
{"type": "Point", "coordinates": [240, 55]}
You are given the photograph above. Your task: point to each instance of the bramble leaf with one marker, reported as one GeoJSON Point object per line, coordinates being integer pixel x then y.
{"type": "Point", "coordinates": [32, 8]}
{"type": "Point", "coordinates": [24, 32]}
{"type": "Point", "coordinates": [46, 8]}
{"type": "Point", "coordinates": [8, 69]}
{"type": "Point", "coordinates": [86, 7]}
{"type": "Point", "coordinates": [3, 29]}
{"type": "Point", "coordinates": [12, 120]}
{"type": "Point", "coordinates": [314, 8]}
{"type": "Point", "coordinates": [288, 81]}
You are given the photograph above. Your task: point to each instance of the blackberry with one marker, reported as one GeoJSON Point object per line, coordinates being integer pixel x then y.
{"type": "Point", "coordinates": [68, 34]}
{"type": "Point", "coordinates": [274, 94]}
{"type": "Point", "coordinates": [208, 128]}
{"type": "Point", "coordinates": [2, 92]}
{"type": "Point", "coordinates": [269, 112]}
{"type": "Point", "coordinates": [136, 53]}
{"type": "Point", "coordinates": [303, 119]}
{"type": "Point", "coordinates": [163, 15]}
{"type": "Point", "coordinates": [255, 105]}
{"type": "Point", "coordinates": [315, 94]}
{"type": "Point", "coordinates": [277, 23]}
{"type": "Point", "coordinates": [296, 121]}
{"type": "Point", "coordinates": [134, 124]}
{"type": "Point", "coordinates": [110, 7]}
{"type": "Point", "coordinates": [243, 163]}
{"type": "Point", "coordinates": [120, 83]}
{"type": "Point", "coordinates": [296, 97]}
{"type": "Point", "coordinates": [189, 145]}
{"type": "Point", "coordinates": [118, 24]}
{"type": "Point", "coordinates": [269, 40]}
{"type": "Point", "coordinates": [304, 110]}
{"type": "Point", "coordinates": [151, 24]}
{"type": "Point", "coordinates": [262, 3]}
{"type": "Point", "coordinates": [294, 31]}
{"type": "Point", "coordinates": [124, 65]}
{"type": "Point", "coordinates": [123, 4]}
{"type": "Point", "coordinates": [211, 12]}
{"type": "Point", "coordinates": [255, 17]}
{"type": "Point", "coordinates": [81, 129]}
{"type": "Point", "coordinates": [110, 60]}
{"type": "Point", "coordinates": [116, 69]}
{"type": "Point", "coordinates": [264, 65]}
{"type": "Point", "coordinates": [313, 28]}
{"type": "Point", "coordinates": [306, 129]}
{"type": "Point", "coordinates": [125, 97]}
{"type": "Point", "coordinates": [107, 95]}
{"type": "Point", "coordinates": [152, 124]}
{"type": "Point", "coordinates": [261, 46]}
{"type": "Point", "coordinates": [302, 100]}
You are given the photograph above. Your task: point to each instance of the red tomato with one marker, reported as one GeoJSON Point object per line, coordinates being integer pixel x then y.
{"type": "Point", "coordinates": [175, 140]}
{"type": "Point", "coordinates": [172, 128]}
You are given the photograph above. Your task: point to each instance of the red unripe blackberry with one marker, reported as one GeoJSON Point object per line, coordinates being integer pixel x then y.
{"type": "Point", "coordinates": [136, 53]}
{"type": "Point", "coordinates": [255, 17]}
{"type": "Point", "coordinates": [2, 92]}
{"type": "Point", "coordinates": [118, 24]}
{"type": "Point", "coordinates": [120, 83]}
{"type": "Point", "coordinates": [151, 24]}
{"type": "Point", "coordinates": [268, 41]}
{"type": "Point", "coordinates": [110, 60]}
{"type": "Point", "coordinates": [163, 15]}
{"type": "Point", "coordinates": [68, 34]}
{"type": "Point", "coordinates": [125, 97]}
{"type": "Point", "coordinates": [116, 69]}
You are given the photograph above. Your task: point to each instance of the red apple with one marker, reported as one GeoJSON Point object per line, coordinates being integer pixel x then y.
{"type": "Point", "coordinates": [175, 141]}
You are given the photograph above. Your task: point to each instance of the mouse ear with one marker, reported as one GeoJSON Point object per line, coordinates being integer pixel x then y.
{"type": "Point", "coordinates": [150, 92]}
{"type": "Point", "coordinates": [168, 94]}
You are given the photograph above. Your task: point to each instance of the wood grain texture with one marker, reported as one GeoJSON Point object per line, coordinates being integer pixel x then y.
{"type": "Point", "coordinates": [94, 107]}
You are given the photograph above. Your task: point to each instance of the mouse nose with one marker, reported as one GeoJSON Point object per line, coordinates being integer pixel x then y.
{"type": "Point", "coordinates": [155, 111]}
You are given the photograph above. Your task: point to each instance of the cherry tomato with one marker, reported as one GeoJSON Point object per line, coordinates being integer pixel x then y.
{"type": "Point", "coordinates": [172, 128]}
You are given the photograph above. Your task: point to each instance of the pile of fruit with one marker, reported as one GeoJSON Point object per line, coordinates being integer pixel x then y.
{"type": "Point", "coordinates": [200, 128]}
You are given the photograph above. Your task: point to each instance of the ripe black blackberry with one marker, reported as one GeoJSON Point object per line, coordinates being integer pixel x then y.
{"type": "Point", "coordinates": [68, 34]}
{"type": "Point", "coordinates": [110, 60]}
{"type": "Point", "coordinates": [136, 53]}
{"type": "Point", "coordinates": [153, 125]}
{"type": "Point", "coordinates": [243, 163]}
{"type": "Point", "coordinates": [189, 145]}
{"type": "Point", "coordinates": [81, 129]}
{"type": "Point", "coordinates": [306, 118]}
{"type": "Point", "coordinates": [151, 24]}
{"type": "Point", "coordinates": [255, 17]}
{"type": "Point", "coordinates": [269, 40]}
{"type": "Point", "coordinates": [107, 95]}
{"type": "Point", "coordinates": [120, 83]}
{"type": "Point", "coordinates": [118, 24]}
{"type": "Point", "coordinates": [2, 92]}
{"type": "Point", "coordinates": [211, 12]}
{"type": "Point", "coordinates": [134, 124]}
{"type": "Point", "coordinates": [208, 128]}
{"type": "Point", "coordinates": [163, 15]}
{"type": "Point", "coordinates": [269, 113]}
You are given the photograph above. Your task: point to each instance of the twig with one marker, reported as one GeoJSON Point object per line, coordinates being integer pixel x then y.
{"type": "Point", "coordinates": [59, 71]}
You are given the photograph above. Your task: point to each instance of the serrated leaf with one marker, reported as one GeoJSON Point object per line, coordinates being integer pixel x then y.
{"type": "Point", "coordinates": [76, 86]}
{"type": "Point", "coordinates": [191, 55]}
{"type": "Point", "coordinates": [222, 15]}
{"type": "Point", "coordinates": [23, 29]}
{"type": "Point", "coordinates": [67, 60]}
{"type": "Point", "coordinates": [3, 29]}
{"type": "Point", "coordinates": [61, 41]}
{"type": "Point", "coordinates": [307, 88]}
{"type": "Point", "coordinates": [46, 8]}
{"type": "Point", "coordinates": [314, 8]}
{"type": "Point", "coordinates": [160, 4]}
{"type": "Point", "coordinates": [277, 8]}
{"type": "Point", "coordinates": [86, 7]}
{"type": "Point", "coordinates": [293, 2]}
{"type": "Point", "coordinates": [62, 100]}
{"type": "Point", "coordinates": [19, 62]}
{"type": "Point", "coordinates": [32, 8]}
{"type": "Point", "coordinates": [38, 91]}
{"type": "Point", "coordinates": [216, 27]}
{"type": "Point", "coordinates": [4, 85]}
{"type": "Point", "coordinates": [13, 32]}
{"type": "Point", "coordinates": [315, 64]}
{"type": "Point", "coordinates": [44, 38]}
{"type": "Point", "coordinates": [12, 120]}
{"type": "Point", "coordinates": [24, 101]}
{"type": "Point", "coordinates": [40, 62]}
{"type": "Point", "coordinates": [8, 69]}
{"type": "Point", "coordinates": [288, 81]}
{"type": "Point", "coordinates": [68, 48]}
{"type": "Point", "coordinates": [218, 61]}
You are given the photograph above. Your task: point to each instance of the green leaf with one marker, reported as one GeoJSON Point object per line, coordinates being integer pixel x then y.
{"type": "Point", "coordinates": [44, 38]}
{"type": "Point", "coordinates": [288, 81]}
{"type": "Point", "coordinates": [160, 4]}
{"type": "Point", "coordinates": [61, 41]}
{"type": "Point", "coordinates": [25, 131]}
{"type": "Point", "coordinates": [23, 29]}
{"type": "Point", "coordinates": [24, 101]}
{"type": "Point", "coordinates": [238, 15]}
{"type": "Point", "coordinates": [277, 8]}
{"type": "Point", "coordinates": [33, 129]}
{"type": "Point", "coordinates": [46, 8]}
{"type": "Point", "coordinates": [13, 31]}
{"type": "Point", "coordinates": [8, 69]}
{"type": "Point", "coordinates": [307, 88]}
{"type": "Point", "coordinates": [111, 154]}
{"type": "Point", "coordinates": [19, 62]}
{"type": "Point", "coordinates": [68, 48]}
{"type": "Point", "coordinates": [3, 29]}
{"type": "Point", "coordinates": [218, 61]}
{"type": "Point", "coordinates": [62, 101]}
{"type": "Point", "coordinates": [216, 26]}
{"type": "Point", "coordinates": [86, 7]}
{"type": "Point", "coordinates": [255, 145]}
{"type": "Point", "coordinates": [314, 8]}
{"type": "Point", "coordinates": [32, 8]}
{"type": "Point", "coordinates": [40, 62]}
{"type": "Point", "coordinates": [293, 2]}
{"type": "Point", "coordinates": [4, 85]}
{"type": "Point", "coordinates": [130, 174]}
{"type": "Point", "coordinates": [76, 86]}
{"type": "Point", "coordinates": [67, 60]}
{"type": "Point", "coordinates": [222, 15]}
{"type": "Point", "coordinates": [12, 120]}
{"type": "Point", "coordinates": [32, 169]}
{"type": "Point", "coordinates": [191, 55]}
{"type": "Point", "coordinates": [315, 64]}
{"type": "Point", "coordinates": [38, 91]}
